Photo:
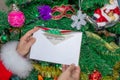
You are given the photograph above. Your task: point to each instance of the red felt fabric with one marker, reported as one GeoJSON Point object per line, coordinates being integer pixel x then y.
{"type": "Point", "coordinates": [4, 73]}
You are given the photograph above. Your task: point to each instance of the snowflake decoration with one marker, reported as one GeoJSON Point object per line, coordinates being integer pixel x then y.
{"type": "Point", "coordinates": [78, 20]}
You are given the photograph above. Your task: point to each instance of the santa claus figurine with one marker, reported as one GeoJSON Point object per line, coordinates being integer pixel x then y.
{"type": "Point", "coordinates": [108, 13]}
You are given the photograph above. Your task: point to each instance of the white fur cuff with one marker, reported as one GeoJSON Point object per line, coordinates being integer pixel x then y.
{"type": "Point", "coordinates": [13, 61]}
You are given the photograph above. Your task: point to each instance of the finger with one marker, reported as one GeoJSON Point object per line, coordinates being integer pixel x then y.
{"type": "Point", "coordinates": [77, 69]}
{"type": "Point", "coordinates": [71, 68]}
{"type": "Point", "coordinates": [76, 73]}
{"type": "Point", "coordinates": [31, 42]}
{"type": "Point", "coordinates": [29, 33]}
{"type": "Point", "coordinates": [64, 67]}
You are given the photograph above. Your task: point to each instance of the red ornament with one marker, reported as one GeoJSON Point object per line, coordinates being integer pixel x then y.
{"type": "Point", "coordinates": [96, 75]}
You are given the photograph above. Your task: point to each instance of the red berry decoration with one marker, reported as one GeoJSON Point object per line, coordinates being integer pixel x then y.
{"type": "Point", "coordinates": [95, 75]}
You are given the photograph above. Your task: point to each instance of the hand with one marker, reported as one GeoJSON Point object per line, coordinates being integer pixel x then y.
{"type": "Point", "coordinates": [26, 42]}
{"type": "Point", "coordinates": [70, 73]}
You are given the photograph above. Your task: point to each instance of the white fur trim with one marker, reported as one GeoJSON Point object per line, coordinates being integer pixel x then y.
{"type": "Point", "coordinates": [107, 11]}
{"type": "Point", "coordinates": [105, 15]}
{"type": "Point", "coordinates": [13, 61]}
{"type": "Point", "coordinates": [101, 24]}
{"type": "Point", "coordinates": [111, 6]}
{"type": "Point", "coordinates": [96, 15]}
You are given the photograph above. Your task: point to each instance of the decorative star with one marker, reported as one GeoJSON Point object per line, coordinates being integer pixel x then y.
{"type": "Point", "coordinates": [78, 20]}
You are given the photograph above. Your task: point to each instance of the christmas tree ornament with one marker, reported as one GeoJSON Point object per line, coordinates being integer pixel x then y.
{"type": "Point", "coordinates": [108, 15]}
{"type": "Point", "coordinates": [16, 18]}
{"type": "Point", "coordinates": [44, 12]}
{"type": "Point", "coordinates": [95, 75]}
{"type": "Point", "coordinates": [4, 38]}
{"type": "Point", "coordinates": [58, 12]}
{"type": "Point", "coordinates": [78, 20]}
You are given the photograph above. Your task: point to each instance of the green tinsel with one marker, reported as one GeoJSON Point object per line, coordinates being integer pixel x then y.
{"type": "Point", "coordinates": [94, 54]}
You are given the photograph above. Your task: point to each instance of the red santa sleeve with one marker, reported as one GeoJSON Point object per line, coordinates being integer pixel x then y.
{"type": "Point", "coordinates": [14, 62]}
{"type": "Point", "coordinates": [4, 73]}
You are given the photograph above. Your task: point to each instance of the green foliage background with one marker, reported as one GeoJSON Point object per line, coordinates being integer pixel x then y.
{"type": "Point", "coordinates": [94, 55]}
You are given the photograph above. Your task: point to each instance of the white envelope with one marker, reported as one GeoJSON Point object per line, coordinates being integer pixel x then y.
{"type": "Point", "coordinates": [62, 49]}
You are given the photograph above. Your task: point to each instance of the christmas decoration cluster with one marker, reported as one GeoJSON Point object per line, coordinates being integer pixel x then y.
{"type": "Point", "coordinates": [98, 20]}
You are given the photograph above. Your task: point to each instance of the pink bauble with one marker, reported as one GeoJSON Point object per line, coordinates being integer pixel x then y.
{"type": "Point", "coordinates": [16, 18]}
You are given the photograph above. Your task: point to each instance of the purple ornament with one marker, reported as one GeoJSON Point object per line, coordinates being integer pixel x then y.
{"type": "Point", "coordinates": [45, 12]}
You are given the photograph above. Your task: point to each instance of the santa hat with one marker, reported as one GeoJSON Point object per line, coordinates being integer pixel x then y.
{"type": "Point", "coordinates": [110, 7]}
{"type": "Point", "coordinates": [14, 62]}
